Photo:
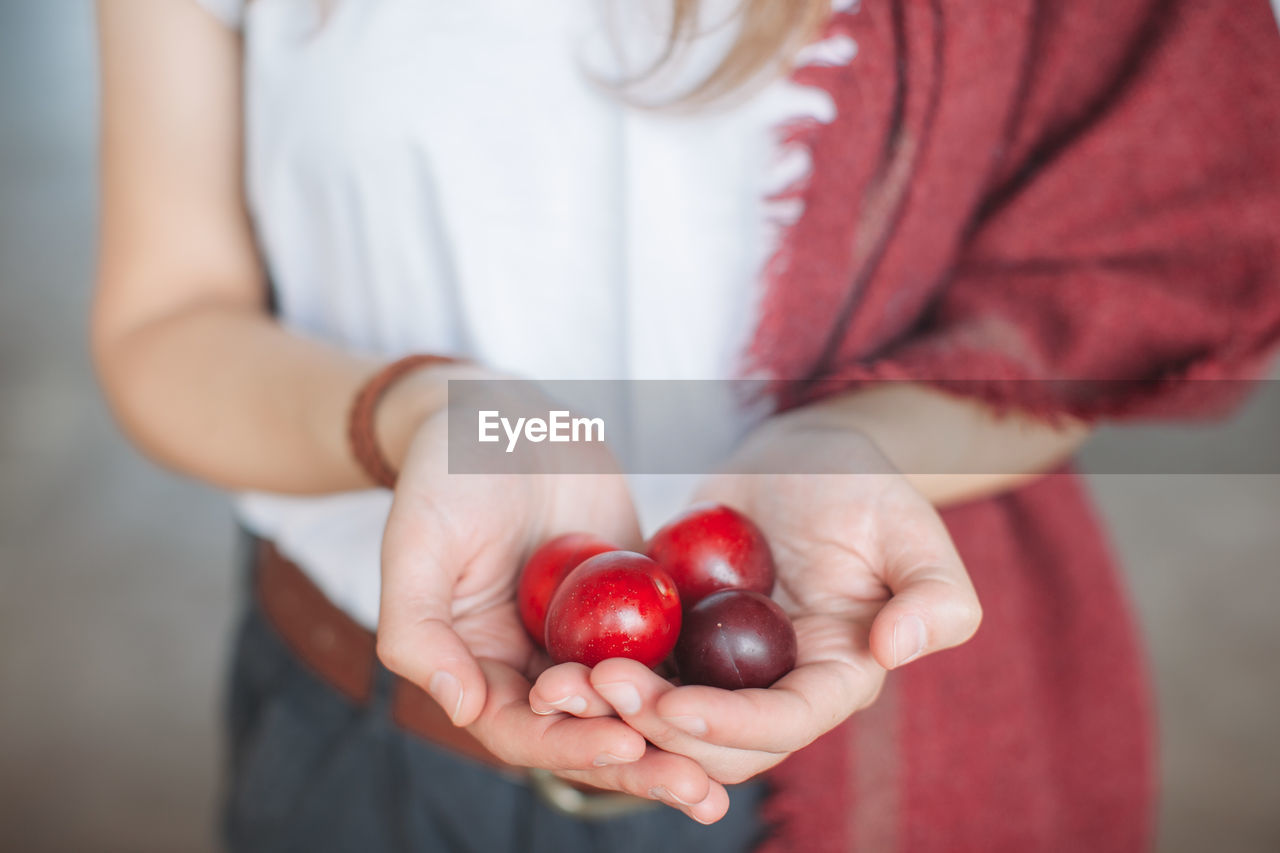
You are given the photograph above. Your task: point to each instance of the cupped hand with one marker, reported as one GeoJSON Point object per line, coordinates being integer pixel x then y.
{"type": "Point", "coordinates": [452, 551]}
{"type": "Point", "coordinates": [866, 571]}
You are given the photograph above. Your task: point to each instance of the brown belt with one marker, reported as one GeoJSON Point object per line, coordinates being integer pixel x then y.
{"type": "Point", "coordinates": [343, 654]}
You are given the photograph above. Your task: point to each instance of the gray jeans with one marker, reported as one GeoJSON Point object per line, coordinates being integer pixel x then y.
{"type": "Point", "coordinates": [310, 771]}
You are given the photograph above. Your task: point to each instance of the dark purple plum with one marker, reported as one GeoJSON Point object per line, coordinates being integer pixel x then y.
{"type": "Point", "coordinates": [735, 638]}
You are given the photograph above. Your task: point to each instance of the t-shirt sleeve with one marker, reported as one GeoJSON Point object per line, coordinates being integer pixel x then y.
{"type": "Point", "coordinates": [229, 12]}
{"type": "Point", "coordinates": [1129, 265]}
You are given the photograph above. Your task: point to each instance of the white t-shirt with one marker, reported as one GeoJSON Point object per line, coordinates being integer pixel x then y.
{"type": "Point", "coordinates": [442, 176]}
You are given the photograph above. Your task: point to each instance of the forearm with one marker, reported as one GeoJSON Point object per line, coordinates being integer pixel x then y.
{"type": "Point", "coordinates": [951, 449]}
{"type": "Point", "coordinates": [226, 395]}
{"type": "Point", "coordinates": [195, 369]}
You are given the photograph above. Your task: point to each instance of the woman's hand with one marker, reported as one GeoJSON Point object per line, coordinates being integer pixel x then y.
{"type": "Point", "coordinates": [867, 572]}
{"type": "Point", "coordinates": [452, 551]}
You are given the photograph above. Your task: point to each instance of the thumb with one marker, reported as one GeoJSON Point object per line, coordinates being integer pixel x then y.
{"type": "Point", "coordinates": [933, 608]}
{"type": "Point", "coordinates": [416, 639]}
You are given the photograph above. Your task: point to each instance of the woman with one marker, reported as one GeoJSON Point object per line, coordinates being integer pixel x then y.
{"type": "Point", "coordinates": [984, 200]}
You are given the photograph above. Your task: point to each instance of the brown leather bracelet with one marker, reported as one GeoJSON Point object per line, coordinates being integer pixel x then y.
{"type": "Point", "coordinates": [360, 424]}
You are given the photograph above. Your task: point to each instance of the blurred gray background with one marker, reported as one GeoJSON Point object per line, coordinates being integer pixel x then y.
{"type": "Point", "coordinates": [117, 581]}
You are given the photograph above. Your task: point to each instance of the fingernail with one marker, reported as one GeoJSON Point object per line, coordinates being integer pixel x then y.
{"type": "Point", "coordinates": [445, 689]}
{"type": "Point", "coordinates": [661, 793]}
{"type": "Point", "coordinates": [605, 759]}
{"type": "Point", "coordinates": [569, 705]}
{"type": "Point", "coordinates": [908, 639]}
{"type": "Point", "coordinates": [622, 696]}
{"type": "Point", "coordinates": [695, 726]}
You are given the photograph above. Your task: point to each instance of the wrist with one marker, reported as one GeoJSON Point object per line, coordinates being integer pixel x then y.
{"type": "Point", "coordinates": [391, 406]}
{"type": "Point", "coordinates": [812, 440]}
{"type": "Point", "coordinates": [407, 404]}
{"type": "Point", "coordinates": [414, 399]}
{"type": "Point", "coordinates": [950, 449]}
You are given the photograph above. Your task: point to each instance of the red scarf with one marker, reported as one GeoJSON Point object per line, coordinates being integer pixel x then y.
{"type": "Point", "coordinates": [1015, 192]}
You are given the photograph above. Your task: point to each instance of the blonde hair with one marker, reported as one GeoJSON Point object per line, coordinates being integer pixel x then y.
{"type": "Point", "coordinates": [770, 33]}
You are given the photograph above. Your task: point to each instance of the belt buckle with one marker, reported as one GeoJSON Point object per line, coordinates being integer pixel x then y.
{"type": "Point", "coordinates": [568, 800]}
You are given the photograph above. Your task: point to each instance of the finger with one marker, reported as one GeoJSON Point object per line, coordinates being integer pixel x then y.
{"type": "Point", "coordinates": [671, 779]}
{"type": "Point", "coordinates": [511, 731]}
{"type": "Point", "coordinates": [805, 704]}
{"type": "Point", "coordinates": [632, 690]}
{"type": "Point", "coordinates": [637, 694]}
{"type": "Point", "coordinates": [933, 608]}
{"type": "Point", "coordinates": [934, 605]}
{"type": "Point", "coordinates": [416, 638]}
{"type": "Point", "coordinates": [566, 688]}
